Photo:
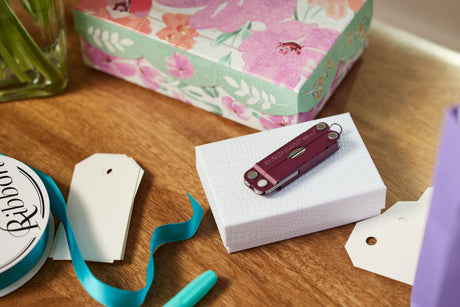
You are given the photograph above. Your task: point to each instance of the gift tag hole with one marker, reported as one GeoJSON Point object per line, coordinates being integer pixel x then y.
{"type": "Point", "coordinates": [371, 241]}
{"type": "Point", "coordinates": [108, 171]}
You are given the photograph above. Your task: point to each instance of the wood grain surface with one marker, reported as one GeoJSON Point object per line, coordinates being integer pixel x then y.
{"type": "Point", "coordinates": [397, 94]}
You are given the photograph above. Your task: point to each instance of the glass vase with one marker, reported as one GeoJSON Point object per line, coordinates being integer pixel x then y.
{"type": "Point", "coordinates": [32, 49]}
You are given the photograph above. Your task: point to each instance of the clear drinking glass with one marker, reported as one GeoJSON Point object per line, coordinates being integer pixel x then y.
{"type": "Point", "coordinates": [32, 49]}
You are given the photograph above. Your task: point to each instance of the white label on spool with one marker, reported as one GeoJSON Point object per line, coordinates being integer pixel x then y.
{"type": "Point", "coordinates": [24, 211]}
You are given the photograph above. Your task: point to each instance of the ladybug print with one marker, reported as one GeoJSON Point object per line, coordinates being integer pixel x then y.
{"type": "Point", "coordinates": [120, 5]}
{"type": "Point", "coordinates": [140, 8]}
{"type": "Point", "coordinates": [284, 48]}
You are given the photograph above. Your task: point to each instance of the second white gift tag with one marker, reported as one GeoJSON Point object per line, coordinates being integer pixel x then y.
{"type": "Point", "coordinates": [389, 244]}
{"type": "Point", "coordinates": [99, 205]}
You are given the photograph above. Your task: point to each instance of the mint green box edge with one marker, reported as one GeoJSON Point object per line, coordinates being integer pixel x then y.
{"type": "Point", "coordinates": [212, 74]}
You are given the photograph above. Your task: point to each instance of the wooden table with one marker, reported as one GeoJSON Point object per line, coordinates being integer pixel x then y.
{"type": "Point", "coordinates": [396, 94]}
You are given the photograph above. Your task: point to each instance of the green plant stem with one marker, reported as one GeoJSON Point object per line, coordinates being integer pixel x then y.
{"type": "Point", "coordinates": [38, 10]}
{"type": "Point", "coordinates": [14, 46]}
{"type": "Point", "coordinates": [23, 48]}
{"type": "Point", "coordinates": [9, 60]}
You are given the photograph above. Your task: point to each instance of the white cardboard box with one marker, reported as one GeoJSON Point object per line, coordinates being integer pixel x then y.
{"type": "Point", "coordinates": [344, 188]}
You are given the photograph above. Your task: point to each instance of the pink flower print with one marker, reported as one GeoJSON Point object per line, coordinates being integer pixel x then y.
{"type": "Point", "coordinates": [336, 9]}
{"type": "Point", "coordinates": [179, 66]}
{"type": "Point", "coordinates": [130, 14]}
{"type": "Point", "coordinates": [306, 116]}
{"type": "Point", "coordinates": [276, 121]}
{"type": "Point", "coordinates": [182, 97]}
{"type": "Point", "coordinates": [108, 63]}
{"type": "Point", "coordinates": [151, 77]}
{"type": "Point", "coordinates": [281, 52]}
{"type": "Point", "coordinates": [228, 16]}
{"type": "Point", "coordinates": [236, 107]}
{"type": "Point", "coordinates": [140, 8]}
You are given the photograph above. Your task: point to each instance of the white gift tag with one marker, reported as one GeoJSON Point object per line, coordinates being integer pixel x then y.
{"type": "Point", "coordinates": [99, 206]}
{"type": "Point", "coordinates": [389, 244]}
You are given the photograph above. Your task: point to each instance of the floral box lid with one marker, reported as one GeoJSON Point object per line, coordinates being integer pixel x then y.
{"type": "Point", "coordinates": [277, 56]}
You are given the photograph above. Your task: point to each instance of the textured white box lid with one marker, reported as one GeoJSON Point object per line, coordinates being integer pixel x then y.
{"type": "Point", "coordinates": [344, 188]}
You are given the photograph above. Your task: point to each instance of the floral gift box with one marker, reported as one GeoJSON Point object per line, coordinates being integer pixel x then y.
{"type": "Point", "coordinates": [262, 63]}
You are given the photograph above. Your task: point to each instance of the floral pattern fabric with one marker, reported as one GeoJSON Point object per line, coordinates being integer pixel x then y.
{"type": "Point", "coordinates": [281, 52]}
{"type": "Point", "coordinates": [142, 72]}
{"type": "Point", "coordinates": [280, 42]}
{"type": "Point", "coordinates": [179, 66]}
{"type": "Point", "coordinates": [118, 11]}
{"type": "Point", "coordinates": [178, 31]}
{"type": "Point", "coordinates": [228, 16]}
{"type": "Point", "coordinates": [336, 9]}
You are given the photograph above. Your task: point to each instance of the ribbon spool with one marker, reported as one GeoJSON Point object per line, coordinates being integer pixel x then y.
{"type": "Point", "coordinates": [26, 225]}
{"type": "Point", "coordinates": [30, 205]}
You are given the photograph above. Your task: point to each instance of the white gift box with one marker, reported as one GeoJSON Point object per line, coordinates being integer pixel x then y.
{"type": "Point", "coordinates": [344, 188]}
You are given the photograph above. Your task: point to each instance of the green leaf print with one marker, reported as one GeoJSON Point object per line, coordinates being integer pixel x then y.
{"type": "Point", "coordinates": [210, 91]}
{"type": "Point", "coordinates": [226, 59]}
{"type": "Point", "coordinates": [214, 109]}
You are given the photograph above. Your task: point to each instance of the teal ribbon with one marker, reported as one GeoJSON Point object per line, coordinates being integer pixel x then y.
{"type": "Point", "coordinates": [23, 267]}
{"type": "Point", "coordinates": [103, 293]}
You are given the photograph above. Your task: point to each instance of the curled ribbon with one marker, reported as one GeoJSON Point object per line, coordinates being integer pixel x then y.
{"type": "Point", "coordinates": [103, 293]}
